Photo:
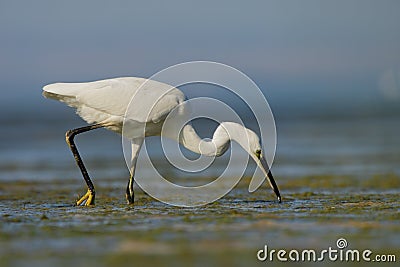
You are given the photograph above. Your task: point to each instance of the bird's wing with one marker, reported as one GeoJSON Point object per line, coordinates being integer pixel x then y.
{"type": "Point", "coordinates": [113, 96]}
{"type": "Point", "coordinates": [143, 108]}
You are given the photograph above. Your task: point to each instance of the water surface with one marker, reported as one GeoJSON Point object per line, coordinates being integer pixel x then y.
{"type": "Point", "coordinates": [337, 178]}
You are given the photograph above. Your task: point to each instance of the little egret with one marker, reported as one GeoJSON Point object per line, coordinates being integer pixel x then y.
{"type": "Point", "coordinates": [104, 103]}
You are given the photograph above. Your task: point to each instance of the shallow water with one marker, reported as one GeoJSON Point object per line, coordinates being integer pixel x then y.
{"type": "Point", "coordinates": [34, 149]}
{"type": "Point", "coordinates": [338, 179]}
{"type": "Point", "coordinates": [40, 226]}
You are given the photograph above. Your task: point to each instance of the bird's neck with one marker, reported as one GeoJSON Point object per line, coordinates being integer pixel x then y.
{"type": "Point", "coordinates": [216, 146]}
{"type": "Point", "coordinates": [208, 147]}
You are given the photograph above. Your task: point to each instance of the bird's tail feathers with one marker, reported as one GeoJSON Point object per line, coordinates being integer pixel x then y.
{"type": "Point", "coordinates": [63, 92]}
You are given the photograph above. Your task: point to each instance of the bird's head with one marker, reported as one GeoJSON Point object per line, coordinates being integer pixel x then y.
{"type": "Point", "coordinates": [254, 144]}
{"type": "Point", "coordinates": [255, 151]}
{"type": "Point", "coordinates": [250, 142]}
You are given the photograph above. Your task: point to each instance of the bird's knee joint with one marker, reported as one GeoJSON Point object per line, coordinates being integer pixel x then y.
{"type": "Point", "coordinates": [69, 136]}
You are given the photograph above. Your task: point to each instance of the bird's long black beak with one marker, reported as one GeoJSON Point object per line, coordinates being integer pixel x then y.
{"type": "Point", "coordinates": [271, 179]}
{"type": "Point", "coordinates": [274, 186]}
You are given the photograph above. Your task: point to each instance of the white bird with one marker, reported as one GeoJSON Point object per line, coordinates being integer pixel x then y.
{"type": "Point", "coordinates": [104, 103]}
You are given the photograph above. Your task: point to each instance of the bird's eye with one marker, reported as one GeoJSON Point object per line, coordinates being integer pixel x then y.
{"type": "Point", "coordinates": [258, 153]}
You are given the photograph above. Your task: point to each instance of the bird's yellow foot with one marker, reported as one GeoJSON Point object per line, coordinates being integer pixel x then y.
{"type": "Point", "coordinates": [87, 199]}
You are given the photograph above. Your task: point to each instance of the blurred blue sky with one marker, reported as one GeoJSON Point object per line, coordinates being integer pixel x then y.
{"type": "Point", "coordinates": [307, 56]}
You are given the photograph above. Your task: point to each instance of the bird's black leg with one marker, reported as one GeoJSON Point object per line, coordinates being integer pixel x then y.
{"type": "Point", "coordinates": [89, 197]}
{"type": "Point", "coordinates": [136, 145]}
{"type": "Point", "coordinates": [129, 191]}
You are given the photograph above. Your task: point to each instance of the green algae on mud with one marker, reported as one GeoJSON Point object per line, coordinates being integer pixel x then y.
{"type": "Point", "coordinates": [41, 226]}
